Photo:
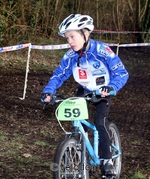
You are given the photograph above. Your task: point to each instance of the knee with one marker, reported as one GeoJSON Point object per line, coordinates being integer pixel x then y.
{"type": "Point", "coordinates": [101, 122]}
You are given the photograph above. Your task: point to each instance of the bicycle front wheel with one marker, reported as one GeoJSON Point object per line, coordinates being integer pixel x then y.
{"type": "Point", "coordinates": [116, 148]}
{"type": "Point", "coordinates": [68, 160]}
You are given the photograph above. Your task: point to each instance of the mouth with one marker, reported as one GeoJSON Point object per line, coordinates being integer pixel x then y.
{"type": "Point", "coordinates": [72, 47]}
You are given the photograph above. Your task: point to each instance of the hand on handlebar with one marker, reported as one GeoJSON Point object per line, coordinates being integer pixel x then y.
{"type": "Point", "coordinates": [46, 97]}
{"type": "Point", "coordinates": [104, 90]}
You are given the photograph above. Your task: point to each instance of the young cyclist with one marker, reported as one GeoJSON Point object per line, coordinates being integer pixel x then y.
{"type": "Point", "coordinates": [94, 67]}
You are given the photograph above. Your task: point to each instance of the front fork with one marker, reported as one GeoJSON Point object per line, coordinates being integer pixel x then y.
{"type": "Point", "coordinates": [84, 159]}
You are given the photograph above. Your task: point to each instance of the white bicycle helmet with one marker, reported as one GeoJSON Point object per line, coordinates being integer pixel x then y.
{"type": "Point", "coordinates": [76, 22]}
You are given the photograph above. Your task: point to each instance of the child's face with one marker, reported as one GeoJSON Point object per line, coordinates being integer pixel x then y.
{"type": "Point", "coordinates": [75, 39]}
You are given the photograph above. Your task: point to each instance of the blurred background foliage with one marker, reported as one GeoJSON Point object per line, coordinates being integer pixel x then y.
{"type": "Point", "coordinates": [37, 21]}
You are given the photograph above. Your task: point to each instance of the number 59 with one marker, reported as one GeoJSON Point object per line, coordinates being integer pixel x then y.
{"type": "Point", "coordinates": [72, 112]}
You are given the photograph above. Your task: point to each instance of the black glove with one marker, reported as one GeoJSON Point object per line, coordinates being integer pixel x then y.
{"type": "Point", "coordinates": [106, 89]}
{"type": "Point", "coordinates": [44, 96]}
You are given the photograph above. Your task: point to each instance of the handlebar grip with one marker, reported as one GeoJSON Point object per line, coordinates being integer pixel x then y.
{"type": "Point", "coordinates": [42, 100]}
{"type": "Point", "coordinates": [112, 93]}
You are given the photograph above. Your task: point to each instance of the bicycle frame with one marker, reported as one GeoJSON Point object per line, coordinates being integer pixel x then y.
{"type": "Point", "coordinates": [93, 151]}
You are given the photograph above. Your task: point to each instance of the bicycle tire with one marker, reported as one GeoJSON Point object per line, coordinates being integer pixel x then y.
{"type": "Point", "coordinates": [68, 164]}
{"type": "Point", "coordinates": [115, 138]}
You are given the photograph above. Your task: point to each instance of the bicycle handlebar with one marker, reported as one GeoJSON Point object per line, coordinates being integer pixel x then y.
{"type": "Point", "coordinates": [93, 97]}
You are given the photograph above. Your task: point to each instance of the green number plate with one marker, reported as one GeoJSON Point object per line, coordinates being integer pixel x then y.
{"type": "Point", "coordinates": [72, 109]}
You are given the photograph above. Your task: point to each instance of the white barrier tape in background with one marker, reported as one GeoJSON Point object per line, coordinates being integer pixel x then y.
{"type": "Point", "coordinates": [62, 46]}
{"type": "Point", "coordinates": [120, 32]}
{"type": "Point", "coordinates": [54, 47]}
{"type": "Point", "coordinates": [50, 47]}
{"type": "Point", "coordinates": [134, 45]}
{"type": "Point", "coordinates": [15, 47]}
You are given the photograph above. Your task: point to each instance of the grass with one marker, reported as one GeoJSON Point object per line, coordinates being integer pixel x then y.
{"type": "Point", "coordinates": [41, 143]}
{"type": "Point", "coordinates": [3, 138]}
{"type": "Point", "coordinates": [138, 175]}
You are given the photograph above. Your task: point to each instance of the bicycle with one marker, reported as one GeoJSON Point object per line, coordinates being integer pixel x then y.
{"type": "Point", "coordinates": [76, 156]}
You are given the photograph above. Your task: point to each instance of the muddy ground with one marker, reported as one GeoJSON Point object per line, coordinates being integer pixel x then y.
{"type": "Point", "coordinates": [29, 135]}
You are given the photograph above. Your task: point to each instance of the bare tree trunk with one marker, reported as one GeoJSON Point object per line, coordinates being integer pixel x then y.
{"type": "Point", "coordinates": [97, 13]}
{"type": "Point", "coordinates": [142, 11]}
{"type": "Point", "coordinates": [22, 12]}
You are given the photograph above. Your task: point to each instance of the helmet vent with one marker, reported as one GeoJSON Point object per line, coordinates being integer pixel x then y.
{"type": "Point", "coordinates": [67, 25]}
{"type": "Point", "coordinates": [69, 18]}
{"type": "Point", "coordinates": [83, 19]}
{"type": "Point", "coordinates": [80, 24]}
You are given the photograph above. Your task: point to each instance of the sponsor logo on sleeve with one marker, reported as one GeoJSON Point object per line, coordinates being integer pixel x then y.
{"type": "Point", "coordinates": [109, 50]}
{"type": "Point", "coordinates": [117, 65]}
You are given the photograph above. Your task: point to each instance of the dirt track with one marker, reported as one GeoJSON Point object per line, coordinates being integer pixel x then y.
{"type": "Point", "coordinates": [29, 135]}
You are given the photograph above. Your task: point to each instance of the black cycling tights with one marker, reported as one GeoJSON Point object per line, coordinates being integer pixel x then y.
{"type": "Point", "coordinates": [102, 124]}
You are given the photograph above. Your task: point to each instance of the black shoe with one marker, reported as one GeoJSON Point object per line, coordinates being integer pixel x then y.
{"type": "Point", "coordinates": [108, 170]}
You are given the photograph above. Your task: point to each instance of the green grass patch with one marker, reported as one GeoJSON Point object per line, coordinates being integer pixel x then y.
{"type": "Point", "coordinates": [41, 143]}
{"type": "Point", "coordinates": [138, 175]}
{"type": "Point", "coordinates": [3, 138]}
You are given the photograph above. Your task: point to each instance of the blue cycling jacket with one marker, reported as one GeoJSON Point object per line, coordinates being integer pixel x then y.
{"type": "Point", "coordinates": [99, 66]}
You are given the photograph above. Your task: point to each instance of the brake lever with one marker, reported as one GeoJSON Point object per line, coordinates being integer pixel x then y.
{"type": "Point", "coordinates": [44, 106]}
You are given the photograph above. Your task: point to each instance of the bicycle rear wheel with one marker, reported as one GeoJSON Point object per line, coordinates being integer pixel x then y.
{"type": "Point", "coordinates": [68, 160]}
{"type": "Point", "coordinates": [115, 138]}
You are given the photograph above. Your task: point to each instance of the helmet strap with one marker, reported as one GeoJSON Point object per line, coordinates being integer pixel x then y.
{"type": "Point", "coordinates": [83, 49]}
{"type": "Point", "coordinates": [86, 41]}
